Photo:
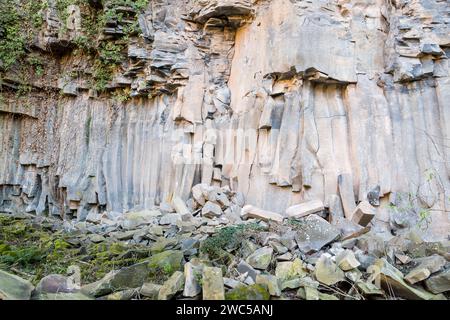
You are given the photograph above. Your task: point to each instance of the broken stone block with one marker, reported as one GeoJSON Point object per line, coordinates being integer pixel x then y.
{"type": "Point", "coordinates": [250, 211]}
{"type": "Point", "coordinates": [211, 210]}
{"type": "Point", "coordinates": [433, 263]}
{"type": "Point", "coordinates": [289, 270]}
{"type": "Point", "coordinates": [368, 288]}
{"type": "Point", "coordinates": [231, 283]}
{"type": "Point", "coordinates": [439, 282]}
{"type": "Point", "coordinates": [304, 209]}
{"type": "Point", "coordinates": [327, 272]}
{"type": "Point", "coordinates": [285, 257]}
{"type": "Point", "coordinates": [261, 258]}
{"type": "Point", "coordinates": [308, 293]}
{"type": "Point", "coordinates": [197, 194]}
{"type": "Point", "coordinates": [179, 206]}
{"type": "Point", "coordinates": [192, 273]}
{"type": "Point", "coordinates": [272, 283]}
{"type": "Point", "coordinates": [212, 282]}
{"type": "Point", "coordinates": [172, 286]}
{"type": "Point", "coordinates": [251, 292]}
{"type": "Point", "coordinates": [126, 278]}
{"type": "Point", "coordinates": [345, 185]}
{"type": "Point", "coordinates": [363, 214]}
{"type": "Point", "coordinates": [346, 260]}
{"type": "Point", "coordinates": [170, 219]}
{"type": "Point", "coordinates": [314, 232]}
{"type": "Point", "coordinates": [417, 274]}
{"type": "Point", "coordinates": [403, 258]}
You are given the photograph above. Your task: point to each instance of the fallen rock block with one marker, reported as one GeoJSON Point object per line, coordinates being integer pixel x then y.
{"type": "Point", "coordinates": [213, 287]}
{"type": "Point", "coordinates": [13, 287]}
{"type": "Point", "coordinates": [417, 275]}
{"type": "Point", "coordinates": [179, 206]}
{"type": "Point", "coordinates": [439, 282]}
{"type": "Point", "coordinates": [327, 272]}
{"type": "Point", "coordinates": [211, 210]}
{"type": "Point", "coordinates": [261, 258]}
{"type": "Point", "coordinates": [172, 286]}
{"type": "Point", "coordinates": [304, 209]}
{"type": "Point", "coordinates": [363, 214]}
{"type": "Point", "coordinates": [346, 260]}
{"type": "Point", "coordinates": [192, 273]}
{"type": "Point", "coordinates": [150, 290]}
{"type": "Point", "coordinates": [251, 292]}
{"type": "Point", "coordinates": [250, 211]}
{"type": "Point", "coordinates": [314, 232]}
{"type": "Point", "coordinates": [290, 270]}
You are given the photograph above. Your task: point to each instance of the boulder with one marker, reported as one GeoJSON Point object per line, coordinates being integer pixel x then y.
{"type": "Point", "coordinates": [212, 282]}
{"type": "Point", "coordinates": [192, 274]}
{"type": "Point", "coordinates": [290, 270]}
{"type": "Point", "coordinates": [179, 206]}
{"type": "Point", "coordinates": [391, 279]}
{"type": "Point", "coordinates": [368, 288]}
{"type": "Point", "coordinates": [439, 282]}
{"type": "Point", "coordinates": [304, 209]}
{"type": "Point", "coordinates": [314, 232]}
{"type": "Point", "coordinates": [417, 275]}
{"type": "Point", "coordinates": [211, 210]}
{"type": "Point", "coordinates": [250, 211]}
{"type": "Point", "coordinates": [327, 272]}
{"type": "Point", "coordinates": [63, 296]}
{"type": "Point", "coordinates": [251, 292]}
{"type": "Point", "coordinates": [172, 286]}
{"type": "Point", "coordinates": [363, 214]}
{"type": "Point", "coordinates": [244, 268]}
{"type": "Point", "coordinates": [126, 278]}
{"type": "Point", "coordinates": [54, 283]}
{"type": "Point", "coordinates": [261, 258]}
{"type": "Point", "coordinates": [150, 290]}
{"type": "Point", "coordinates": [13, 287]}
{"type": "Point", "coordinates": [132, 220]}
{"type": "Point", "coordinates": [166, 262]}
{"type": "Point", "coordinates": [271, 282]}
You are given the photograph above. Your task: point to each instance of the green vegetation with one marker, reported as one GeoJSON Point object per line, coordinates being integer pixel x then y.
{"type": "Point", "coordinates": [21, 19]}
{"type": "Point", "coordinates": [38, 251]}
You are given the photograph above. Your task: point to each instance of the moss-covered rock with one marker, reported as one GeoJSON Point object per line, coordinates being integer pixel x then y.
{"type": "Point", "coordinates": [253, 292]}
{"type": "Point", "coordinates": [165, 263]}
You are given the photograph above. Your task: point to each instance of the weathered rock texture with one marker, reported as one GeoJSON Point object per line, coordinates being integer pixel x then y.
{"type": "Point", "coordinates": [279, 99]}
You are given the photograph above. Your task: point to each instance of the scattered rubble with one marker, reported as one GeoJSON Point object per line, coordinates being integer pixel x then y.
{"type": "Point", "coordinates": [192, 250]}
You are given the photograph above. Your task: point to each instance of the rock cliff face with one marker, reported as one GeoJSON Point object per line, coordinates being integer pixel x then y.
{"type": "Point", "coordinates": [282, 100]}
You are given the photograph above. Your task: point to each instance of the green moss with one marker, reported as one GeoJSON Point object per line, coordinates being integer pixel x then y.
{"type": "Point", "coordinates": [227, 239]}
{"type": "Point", "coordinates": [252, 292]}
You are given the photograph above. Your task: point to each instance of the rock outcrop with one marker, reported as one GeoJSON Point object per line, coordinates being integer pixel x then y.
{"type": "Point", "coordinates": [281, 101]}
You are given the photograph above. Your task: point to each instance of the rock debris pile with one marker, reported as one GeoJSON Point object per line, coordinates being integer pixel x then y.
{"type": "Point", "coordinates": [216, 247]}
